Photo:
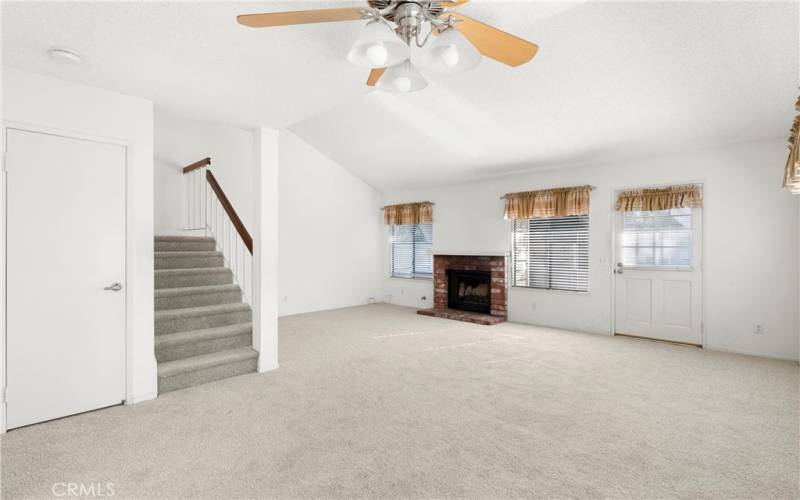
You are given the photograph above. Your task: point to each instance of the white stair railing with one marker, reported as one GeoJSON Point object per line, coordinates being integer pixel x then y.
{"type": "Point", "coordinates": [195, 195]}
{"type": "Point", "coordinates": [208, 209]}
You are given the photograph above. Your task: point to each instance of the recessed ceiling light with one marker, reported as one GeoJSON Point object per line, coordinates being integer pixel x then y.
{"type": "Point", "coordinates": [65, 55]}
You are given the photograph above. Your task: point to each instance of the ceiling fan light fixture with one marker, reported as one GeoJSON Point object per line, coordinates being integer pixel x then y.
{"type": "Point", "coordinates": [451, 53]}
{"type": "Point", "coordinates": [402, 78]}
{"type": "Point", "coordinates": [378, 47]}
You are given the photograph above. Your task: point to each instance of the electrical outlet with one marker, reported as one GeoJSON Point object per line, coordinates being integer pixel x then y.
{"type": "Point", "coordinates": [285, 298]}
{"type": "Point", "coordinates": [533, 306]}
{"type": "Point", "coordinates": [758, 329]}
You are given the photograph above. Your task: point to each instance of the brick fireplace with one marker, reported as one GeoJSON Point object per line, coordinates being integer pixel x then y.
{"type": "Point", "coordinates": [469, 288]}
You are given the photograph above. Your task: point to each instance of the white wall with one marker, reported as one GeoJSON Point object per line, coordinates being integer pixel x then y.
{"type": "Point", "coordinates": [751, 243]}
{"type": "Point", "coordinates": [182, 141]}
{"type": "Point", "coordinates": [44, 102]}
{"type": "Point", "coordinates": [330, 232]}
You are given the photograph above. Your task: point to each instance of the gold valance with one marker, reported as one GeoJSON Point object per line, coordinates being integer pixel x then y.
{"type": "Point", "coordinates": [689, 196]}
{"type": "Point", "coordinates": [558, 202]}
{"type": "Point", "coordinates": [791, 177]}
{"type": "Point", "coordinates": [409, 213]}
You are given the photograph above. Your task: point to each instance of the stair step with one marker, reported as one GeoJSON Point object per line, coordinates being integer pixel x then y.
{"type": "Point", "coordinates": [203, 330]}
{"type": "Point", "coordinates": [182, 373]}
{"type": "Point", "coordinates": [180, 345]}
{"type": "Point", "coordinates": [183, 260]}
{"type": "Point", "coordinates": [197, 318]}
{"type": "Point", "coordinates": [191, 277]}
{"type": "Point", "coordinates": [184, 243]}
{"type": "Point", "coordinates": [196, 296]}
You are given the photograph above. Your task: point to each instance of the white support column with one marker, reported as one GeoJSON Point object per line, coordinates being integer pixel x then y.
{"type": "Point", "coordinates": [265, 248]}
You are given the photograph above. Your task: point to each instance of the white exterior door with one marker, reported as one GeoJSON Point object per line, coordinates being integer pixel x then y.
{"type": "Point", "coordinates": [65, 245]}
{"type": "Point", "coordinates": [658, 275]}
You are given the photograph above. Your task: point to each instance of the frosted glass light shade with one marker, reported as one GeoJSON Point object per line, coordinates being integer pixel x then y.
{"type": "Point", "coordinates": [402, 77]}
{"type": "Point", "coordinates": [378, 47]}
{"type": "Point", "coordinates": [450, 53]}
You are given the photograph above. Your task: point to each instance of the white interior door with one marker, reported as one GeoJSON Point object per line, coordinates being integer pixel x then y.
{"type": "Point", "coordinates": [65, 244]}
{"type": "Point", "coordinates": [658, 275]}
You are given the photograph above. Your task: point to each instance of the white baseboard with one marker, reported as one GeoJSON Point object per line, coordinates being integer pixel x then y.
{"type": "Point", "coordinates": [745, 353]}
{"type": "Point", "coordinates": [139, 399]}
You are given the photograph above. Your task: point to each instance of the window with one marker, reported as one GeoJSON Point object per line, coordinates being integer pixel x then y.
{"type": "Point", "coordinates": [552, 253]}
{"type": "Point", "coordinates": [660, 238]}
{"type": "Point", "coordinates": [411, 250]}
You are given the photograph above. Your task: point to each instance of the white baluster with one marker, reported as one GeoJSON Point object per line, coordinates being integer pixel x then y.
{"type": "Point", "coordinates": [232, 257]}
{"type": "Point", "coordinates": [194, 190]}
{"type": "Point", "coordinates": [186, 197]}
{"type": "Point", "coordinates": [188, 201]}
{"type": "Point", "coordinates": [191, 210]}
{"type": "Point", "coordinates": [244, 277]}
{"type": "Point", "coordinates": [197, 199]}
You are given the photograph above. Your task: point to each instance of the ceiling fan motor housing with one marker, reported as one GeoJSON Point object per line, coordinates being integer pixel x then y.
{"type": "Point", "coordinates": [408, 15]}
{"type": "Point", "coordinates": [397, 10]}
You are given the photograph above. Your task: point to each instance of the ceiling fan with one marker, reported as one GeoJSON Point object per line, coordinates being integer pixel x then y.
{"type": "Point", "coordinates": [393, 25]}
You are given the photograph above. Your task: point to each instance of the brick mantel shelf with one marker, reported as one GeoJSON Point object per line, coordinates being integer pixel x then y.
{"type": "Point", "coordinates": [471, 254]}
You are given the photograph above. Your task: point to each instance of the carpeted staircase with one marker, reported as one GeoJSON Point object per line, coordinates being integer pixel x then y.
{"type": "Point", "coordinates": [204, 331]}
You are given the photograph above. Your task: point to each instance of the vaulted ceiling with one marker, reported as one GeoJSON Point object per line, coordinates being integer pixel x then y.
{"type": "Point", "coordinates": [611, 80]}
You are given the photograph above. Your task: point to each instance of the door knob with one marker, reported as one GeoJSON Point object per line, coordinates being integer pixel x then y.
{"type": "Point", "coordinates": [114, 287]}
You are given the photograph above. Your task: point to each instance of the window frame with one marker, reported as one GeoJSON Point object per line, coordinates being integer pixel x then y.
{"type": "Point", "coordinates": [618, 247]}
{"type": "Point", "coordinates": [512, 279]}
{"type": "Point", "coordinates": [414, 275]}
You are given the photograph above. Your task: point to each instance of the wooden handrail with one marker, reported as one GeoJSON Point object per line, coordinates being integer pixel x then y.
{"type": "Point", "coordinates": [226, 204]}
{"type": "Point", "coordinates": [198, 164]}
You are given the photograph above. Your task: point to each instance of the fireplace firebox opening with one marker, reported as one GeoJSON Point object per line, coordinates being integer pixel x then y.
{"type": "Point", "coordinates": [469, 291]}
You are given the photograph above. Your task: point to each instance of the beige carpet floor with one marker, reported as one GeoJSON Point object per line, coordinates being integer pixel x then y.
{"type": "Point", "coordinates": [378, 402]}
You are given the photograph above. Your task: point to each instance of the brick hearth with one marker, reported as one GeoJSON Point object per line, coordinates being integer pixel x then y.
{"type": "Point", "coordinates": [469, 317]}
{"type": "Point", "coordinates": [495, 265]}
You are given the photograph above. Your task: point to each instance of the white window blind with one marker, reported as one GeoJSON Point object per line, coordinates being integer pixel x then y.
{"type": "Point", "coordinates": [411, 246]}
{"type": "Point", "coordinates": [660, 238]}
{"type": "Point", "coordinates": [552, 253]}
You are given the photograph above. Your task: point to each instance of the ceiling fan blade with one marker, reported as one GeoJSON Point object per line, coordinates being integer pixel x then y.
{"type": "Point", "coordinates": [494, 43]}
{"type": "Point", "coordinates": [374, 76]}
{"type": "Point", "coordinates": [449, 4]}
{"type": "Point", "coordinates": [300, 17]}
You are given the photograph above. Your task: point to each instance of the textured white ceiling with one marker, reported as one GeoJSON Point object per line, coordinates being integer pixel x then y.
{"type": "Point", "coordinates": [192, 57]}
{"type": "Point", "coordinates": [611, 80]}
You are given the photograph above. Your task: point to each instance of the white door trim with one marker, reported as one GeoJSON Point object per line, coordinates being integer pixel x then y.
{"type": "Point", "coordinates": [615, 222]}
{"type": "Point", "coordinates": [27, 127]}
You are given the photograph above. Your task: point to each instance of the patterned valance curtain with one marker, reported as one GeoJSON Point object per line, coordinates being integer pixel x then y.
{"type": "Point", "coordinates": [791, 178]}
{"type": "Point", "coordinates": [558, 202]}
{"type": "Point", "coordinates": [689, 196]}
{"type": "Point", "coordinates": [409, 213]}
